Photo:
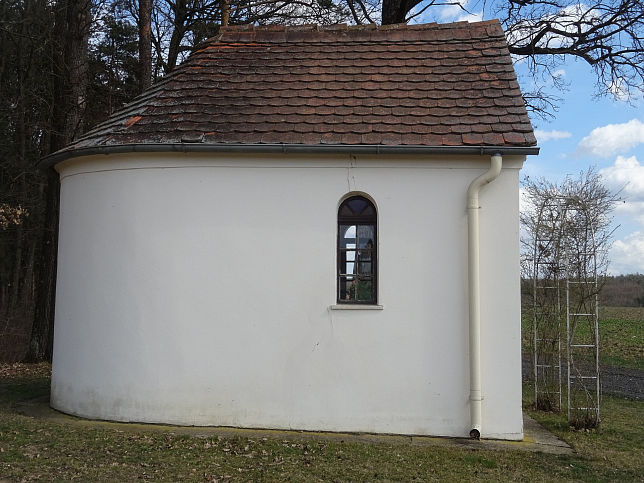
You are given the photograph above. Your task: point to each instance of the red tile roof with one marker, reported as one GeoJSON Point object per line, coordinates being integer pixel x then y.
{"type": "Point", "coordinates": [423, 85]}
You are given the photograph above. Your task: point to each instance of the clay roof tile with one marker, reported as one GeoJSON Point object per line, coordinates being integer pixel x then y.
{"type": "Point", "coordinates": [431, 85]}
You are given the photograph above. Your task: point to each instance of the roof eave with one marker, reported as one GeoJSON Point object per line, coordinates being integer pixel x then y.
{"type": "Point", "coordinates": [378, 149]}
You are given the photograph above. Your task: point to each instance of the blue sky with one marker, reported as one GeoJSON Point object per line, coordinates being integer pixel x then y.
{"type": "Point", "coordinates": [607, 134]}
{"type": "Point", "coordinates": [586, 131]}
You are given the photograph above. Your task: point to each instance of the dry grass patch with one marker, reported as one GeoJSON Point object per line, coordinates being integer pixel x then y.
{"type": "Point", "coordinates": [33, 449]}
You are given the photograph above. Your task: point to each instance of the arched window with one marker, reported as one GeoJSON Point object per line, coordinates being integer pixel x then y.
{"type": "Point", "coordinates": [357, 251]}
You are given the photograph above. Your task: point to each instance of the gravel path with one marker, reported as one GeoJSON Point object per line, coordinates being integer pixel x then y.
{"type": "Point", "coordinates": [622, 382]}
{"type": "Point", "coordinates": [617, 381]}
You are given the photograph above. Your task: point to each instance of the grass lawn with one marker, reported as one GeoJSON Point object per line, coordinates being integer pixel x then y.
{"type": "Point", "coordinates": [32, 449]}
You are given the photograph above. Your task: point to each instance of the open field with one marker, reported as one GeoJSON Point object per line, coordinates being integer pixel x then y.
{"type": "Point", "coordinates": [621, 333]}
{"type": "Point", "coordinates": [34, 449]}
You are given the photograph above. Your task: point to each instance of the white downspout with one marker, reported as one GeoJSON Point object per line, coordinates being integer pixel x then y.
{"type": "Point", "coordinates": [475, 290]}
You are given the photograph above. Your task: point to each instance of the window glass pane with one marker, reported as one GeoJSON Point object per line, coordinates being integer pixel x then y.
{"type": "Point", "coordinates": [364, 265]}
{"type": "Point", "coordinates": [357, 205]}
{"type": "Point", "coordinates": [347, 265]}
{"type": "Point", "coordinates": [345, 210]}
{"type": "Point", "coordinates": [364, 291]}
{"type": "Point", "coordinates": [369, 212]}
{"type": "Point", "coordinates": [347, 236]}
{"type": "Point", "coordinates": [365, 236]}
{"type": "Point", "coordinates": [355, 208]}
{"type": "Point", "coordinates": [356, 290]}
{"type": "Point", "coordinates": [347, 288]}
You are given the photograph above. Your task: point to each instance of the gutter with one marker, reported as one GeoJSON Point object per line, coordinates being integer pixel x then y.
{"type": "Point", "coordinates": [199, 147]}
{"type": "Point", "coordinates": [474, 288]}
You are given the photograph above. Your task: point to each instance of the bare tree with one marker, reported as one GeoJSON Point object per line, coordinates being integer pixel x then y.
{"type": "Point", "coordinates": [402, 11]}
{"type": "Point", "coordinates": [585, 192]}
{"type": "Point", "coordinates": [177, 26]}
{"type": "Point", "coordinates": [566, 235]}
{"type": "Point", "coordinates": [72, 22]}
{"type": "Point", "coordinates": [145, 43]}
{"type": "Point", "coordinates": [606, 34]}
{"type": "Point", "coordinates": [26, 83]}
{"type": "Point", "coordinates": [225, 12]}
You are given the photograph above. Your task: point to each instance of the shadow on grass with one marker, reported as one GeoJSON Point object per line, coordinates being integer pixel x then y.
{"type": "Point", "coordinates": [23, 382]}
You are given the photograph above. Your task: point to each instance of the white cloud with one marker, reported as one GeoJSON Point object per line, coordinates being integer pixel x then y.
{"type": "Point", "coordinates": [619, 89]}
{"type": "Point", "coordinates": [544, 136]}
{"type": "Point", "coordinates": [451, 12]}
{"type": "Point", "coordinates": [559, 73]}
{"type": "Point", "coordinates": [458, 12]}
{"type": "Point", "coordinates": [632, 208]}
{"type": "Point", "coordinates": [471, 17]}
{"type": "Point", "coordinates": [612, 139]}
{"type": "Point", "coordinates": [627, 255]}
{"type": "Point", "coordinates": [627, 175]}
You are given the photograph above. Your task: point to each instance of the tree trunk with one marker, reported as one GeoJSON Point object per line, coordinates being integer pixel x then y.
{"type": "Point", "coordinates": [145, 44]}
{"type": "Point", "coordinates": [225, 12]}
{"type": "Point", "coordinates": [70, 65]}
{"type": "Point", "coordinates": [42, 332]}
{"type": "Point", "coordinates": [179, 30]}
{"type": "Point", "coordinates": [76, 45]}
{"type": "Point", "coordinates": [394, 11]}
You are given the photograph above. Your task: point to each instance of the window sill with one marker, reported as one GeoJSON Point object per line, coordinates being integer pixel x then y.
{"type": "Point", "coordinates": [355, 307]}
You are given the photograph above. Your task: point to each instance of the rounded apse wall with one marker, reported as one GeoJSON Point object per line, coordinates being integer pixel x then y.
{"type": "Point", "coordinates": [197, 291]}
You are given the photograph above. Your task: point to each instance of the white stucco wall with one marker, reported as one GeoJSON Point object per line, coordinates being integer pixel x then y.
{"type": "Point", "coordinates": [196, 290]}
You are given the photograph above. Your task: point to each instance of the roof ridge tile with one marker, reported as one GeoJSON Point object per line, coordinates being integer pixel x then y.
{"type": "Point", "coordinates": [369, 32]}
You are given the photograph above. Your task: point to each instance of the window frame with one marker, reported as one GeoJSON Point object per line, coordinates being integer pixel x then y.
{"type": "Point", "coordinates": [357, 220]}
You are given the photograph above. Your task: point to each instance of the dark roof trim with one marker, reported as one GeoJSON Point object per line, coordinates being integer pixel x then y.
{"type": "Point", "coordinates": [56, 158]}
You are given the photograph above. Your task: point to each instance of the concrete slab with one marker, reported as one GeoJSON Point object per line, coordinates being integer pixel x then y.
{"type": "Point", "coordinates": [536, 438]}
